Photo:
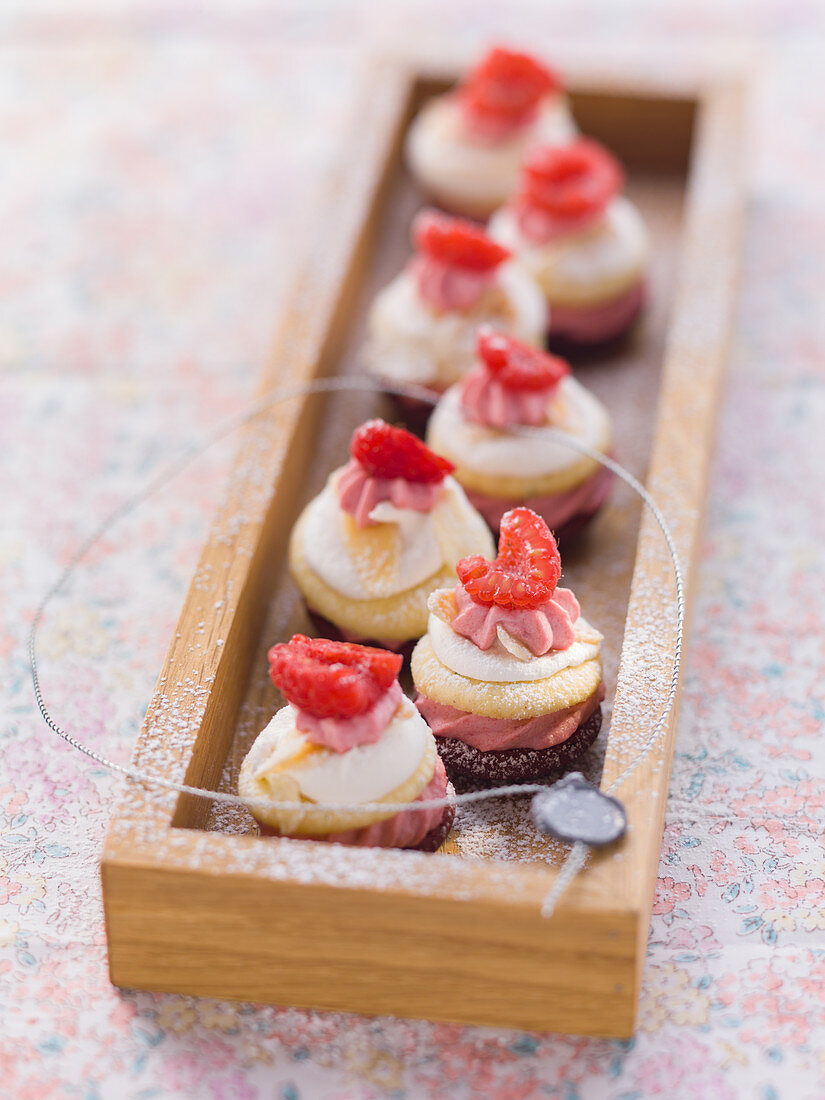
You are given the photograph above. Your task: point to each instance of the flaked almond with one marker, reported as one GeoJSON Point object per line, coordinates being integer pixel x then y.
{"type": "Point", "coordinates": [280, 762]}
{"type": "Point", "coordinates": [442, 604]}
{"type": "Point", "coordinates": [521, 652]}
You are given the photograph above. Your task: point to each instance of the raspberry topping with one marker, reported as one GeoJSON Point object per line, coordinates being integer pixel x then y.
{"type": "Point", "coordinates": [526, 571]}
{"type": "Point", "coordinates": [516, 365]}
{"type": "Point", "coordinates": [456, 242]}
{"type": "Point", "coordinates": [332, 679]}
{"type": "Point", "coordinates": [503, 91]}
{"type": "Point", "coordinates": [388, 452]}
{"type": "Point", "coordinates": [570, 182]}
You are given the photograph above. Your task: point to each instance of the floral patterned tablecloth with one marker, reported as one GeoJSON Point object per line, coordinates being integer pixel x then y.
{"type": "Point", "coordinates": [152, 200]}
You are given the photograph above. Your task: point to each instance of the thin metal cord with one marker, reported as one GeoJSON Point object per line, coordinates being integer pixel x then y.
{"type": "Point", "coordinates": [577, 857]}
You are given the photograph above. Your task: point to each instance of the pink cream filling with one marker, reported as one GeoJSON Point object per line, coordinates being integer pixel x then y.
{"type": "Point", "coordinates": [484, 400]}
{"type": "Point", "coordinates": [540, 629]}
{"type": "Point", "coordinates": [448, 287]}
{"type": "Point", "coordinates": [539, 226]}
{"type": "Point", "coordinates": [556, 509]}
{"type": "Point", "coordinates": [494, 131]}
{"type": "Point", "coordinates": [496, 734]}
{"type": "Point", "coordinates": [405, 829]}
{"type": "Point", "coordinates": [359, 492]}
{"type": "Point", "coordinates": [592, 324]}
{"type": "Point", "coordinates": [343, 734]}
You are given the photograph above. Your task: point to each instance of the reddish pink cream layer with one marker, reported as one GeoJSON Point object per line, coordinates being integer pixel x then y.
{"type": "Point", "coordinates": [556, 509]}
{"type": "Point", "coordinates": [484, 400]}
{"type": "Point", "coordinates": [486, 734]}
{"type": "Point", "coordinates": [493, 131]}
{"type": "Point", "coordinates": [540, 226]}
{"type": "Point", "coordinates": [593, 324]}
{"type": "Point", "coordinates": [343, 734]}
{"type": "Point", "coordinates": [448, 288]}
{"type": "Point", "coordinates": [358, 493]}
{"type": "Point", "coordinates": [541, 629]}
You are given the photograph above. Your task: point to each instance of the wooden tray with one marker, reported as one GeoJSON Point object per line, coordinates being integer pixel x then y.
{"type": "Point", "coordinates": [195, 900]}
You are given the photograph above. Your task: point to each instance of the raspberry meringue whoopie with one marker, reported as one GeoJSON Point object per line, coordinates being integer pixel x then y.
{"type": "Point", "coordinates": [421, 327]}
{"type": "Point", "coordinates": [386, 531]}
{"type": "Point", "coordinates": [479, 425]}
{"type": "Point", "coordinates": [583, 241]}
{"type": "Point", "coordinates": [509, 674]}
{"type": "Point", "coordinates": [347, 735]}
{"type": "Point", "coordinates": [465, 148]}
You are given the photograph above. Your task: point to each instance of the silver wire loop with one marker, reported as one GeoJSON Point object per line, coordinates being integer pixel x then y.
{"type": "Point", "coordinates": [577, 857]}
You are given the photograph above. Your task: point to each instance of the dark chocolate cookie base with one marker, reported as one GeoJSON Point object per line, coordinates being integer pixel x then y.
{"type": "Point", "coordinates": [414, 412]}
{"type": "Point", "coordinates": [326, 629]}
{"type": "Point", "coordinates": [498, 766]}
{"type": "Point", "coordinates": [436, 837]}
{"type": "Point", "coordinates": [575, 525]}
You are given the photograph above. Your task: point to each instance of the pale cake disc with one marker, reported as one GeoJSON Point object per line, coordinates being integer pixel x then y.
{"type": "Point", "coordinates": [308, 821]}
{"type": "Point", "coordinates": [566, 688]}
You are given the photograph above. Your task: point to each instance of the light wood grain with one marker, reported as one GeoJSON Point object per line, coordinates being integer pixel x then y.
{"type": "Point", "coordinates": [194, 901]}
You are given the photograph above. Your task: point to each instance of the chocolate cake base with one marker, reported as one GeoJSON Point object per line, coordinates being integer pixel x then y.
{"type": "Point", "coordinates": [436, 837]}
{"type": "Point", "coordinates": [575, 525]}
{"type": "Point", "coordinates": [325, 629]}
{"type": "Point", "coordinates": [414, 412]}
{"type": "Point", "coordinates": [501, 766]}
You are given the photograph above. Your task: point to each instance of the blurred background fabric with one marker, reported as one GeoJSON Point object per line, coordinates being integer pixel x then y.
{"type": "Point", "coordinates": [159, 161]}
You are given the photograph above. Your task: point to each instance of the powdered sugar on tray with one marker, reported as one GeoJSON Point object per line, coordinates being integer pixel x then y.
{"type": "Point", "coordinates": [598, 566]}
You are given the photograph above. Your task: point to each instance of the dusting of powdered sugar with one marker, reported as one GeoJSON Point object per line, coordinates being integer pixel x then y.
{"type": "Point", "coordinates": [598, 567]}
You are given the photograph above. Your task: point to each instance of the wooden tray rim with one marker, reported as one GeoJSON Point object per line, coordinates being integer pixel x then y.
{"type": "Point", "coordinates": [143, 835]}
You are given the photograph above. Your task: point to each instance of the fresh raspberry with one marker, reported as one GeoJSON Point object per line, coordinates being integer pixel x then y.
{"type": "Point", "coordinates": [456, 241]}
{"type": "Point", "coordinates": [518, 366]}
{"type": "Point", "coordinates": [503, 91]}
{"type": "Point", "coordinates": [332, 679]}
{"type": "Point", "coordinates": [570, 181]}
{"type": "Point", "coordinates": [526, 571]}
{"type": "Point", "coordinates": [388, 452]}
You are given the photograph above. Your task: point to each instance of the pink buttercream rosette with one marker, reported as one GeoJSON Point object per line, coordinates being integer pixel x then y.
{"type": "Point", "coordinates": [359, 492]}
{"type": "Point", "coordinates": [541, 629]}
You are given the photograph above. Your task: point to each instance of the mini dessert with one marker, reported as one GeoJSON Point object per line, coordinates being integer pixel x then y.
{"type": "Point", "coordinates": [582, 240]}
{"type": "Point", "coordinates": [465, 148]}
{"type": "Point", "coordinates": [385, 532]}
{"type": "Point", "coordinates": [347, 735]}
{"type": "Point", "coordinates": [509, 674]}
{"type": "Point", "coordinates": [479, 425]}
{"type": "Point", "coordinates": [422, 326]}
